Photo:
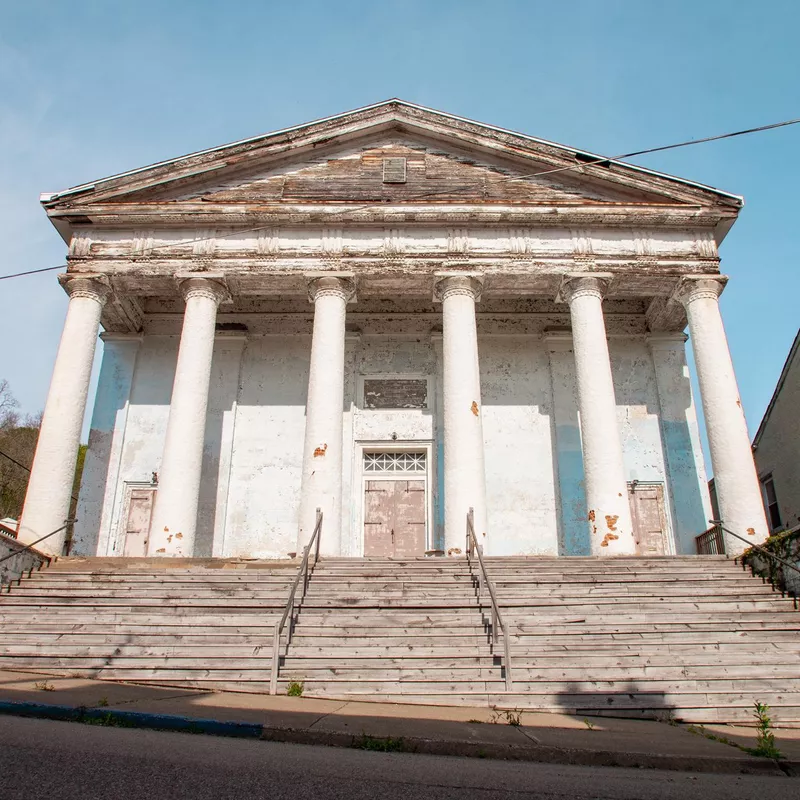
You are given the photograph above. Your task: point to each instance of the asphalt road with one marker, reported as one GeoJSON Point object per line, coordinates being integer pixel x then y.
{"type": "Point", "coordinates": [71, 761]}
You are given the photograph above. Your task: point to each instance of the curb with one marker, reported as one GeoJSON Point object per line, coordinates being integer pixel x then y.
{"type": "Point", "coordinates": [509, 752]}
{"type": "Point", "coordinates": [133, 719]}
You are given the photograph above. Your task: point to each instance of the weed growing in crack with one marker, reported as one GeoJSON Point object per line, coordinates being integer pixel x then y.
{"type": "Point", "coordinates": [511, 716]}
{"type": "Point", "coordinates": [765, 738]}
{"type": "Point", "coordinates": [295, 689]}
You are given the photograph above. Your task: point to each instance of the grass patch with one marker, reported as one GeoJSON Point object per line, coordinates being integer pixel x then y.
{"type": "Point", "coordinates": [295, 689]}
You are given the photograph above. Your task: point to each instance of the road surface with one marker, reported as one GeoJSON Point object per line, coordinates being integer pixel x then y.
{"type": "Point", "coordinates": [71, 761]}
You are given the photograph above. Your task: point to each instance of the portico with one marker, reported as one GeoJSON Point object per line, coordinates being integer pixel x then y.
{"type": "Point", "coordinates": [394, 363]}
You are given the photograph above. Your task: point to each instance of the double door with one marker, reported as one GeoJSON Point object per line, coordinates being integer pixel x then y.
{"type": "Point", "coordinates": [394, 518]}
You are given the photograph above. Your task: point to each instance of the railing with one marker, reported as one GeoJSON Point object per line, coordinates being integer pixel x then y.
{"type": "Point", "coordinates": [764, 552]}
{"type": "Point", "coordinates": [483, 580]}
{"type": "Point", "coordinates": [289, 611]}
{"type": "Point", "coordinates": [711, 542]}
{"type": "Point", "coordinates": [30, 546]}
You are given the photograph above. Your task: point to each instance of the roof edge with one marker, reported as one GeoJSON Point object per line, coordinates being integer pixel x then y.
{"type": "Point", "coordinates": [48, 198]}
{"type": "Point", "coordinates": [778, 386]}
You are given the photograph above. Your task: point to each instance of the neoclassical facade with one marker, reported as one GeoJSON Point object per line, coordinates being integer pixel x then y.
{"type": "Point", "coordinates": [394, 316]}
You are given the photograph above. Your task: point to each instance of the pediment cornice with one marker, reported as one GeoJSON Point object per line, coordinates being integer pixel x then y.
{"type": "Point", "coordinates": [117, 199]}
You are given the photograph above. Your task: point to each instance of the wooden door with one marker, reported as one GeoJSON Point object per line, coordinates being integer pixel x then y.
{"type": "Point", "coordinates": [394, 518]}
{"type": "Point", "coordinates": [378, 518]}
{"type": "Point", "coordinates": [137, 528]}
{"type": "Point", "coordinates": [649, 519]}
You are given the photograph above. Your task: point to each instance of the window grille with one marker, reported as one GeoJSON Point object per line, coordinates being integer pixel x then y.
{"type": "Point", "coordinates": [404, 461]}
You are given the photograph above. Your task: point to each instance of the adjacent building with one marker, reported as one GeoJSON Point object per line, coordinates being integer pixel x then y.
{"type": "Point", "coordinates": [393, 316]}
{"type": "Point", "coordinates": [776, 448]}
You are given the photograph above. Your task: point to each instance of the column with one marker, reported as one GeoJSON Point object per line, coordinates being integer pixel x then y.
{"type": "Point", "coordinates": [609, 514]}
{"type": "Point", "coordinates": [735, 478]}
{"type": "Point", "coordinates": [464, 473]}
{"type": "Point", "coordinates": [174, 522]}
{"type": "Point", "coordinates": [49, 494]}
{"type": "Point", "coordinates": [322, 450]}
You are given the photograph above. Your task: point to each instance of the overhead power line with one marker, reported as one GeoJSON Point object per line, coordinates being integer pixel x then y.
{"type": "Point", "coordinates": [20, 464]}
{"type": "Point", "coordinates": [586, 161]}
{"type": "Point", "coordinates": [31, 272]}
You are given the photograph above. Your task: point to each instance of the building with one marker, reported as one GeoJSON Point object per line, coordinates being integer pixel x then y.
{"type": "Point", "coordinates": [776, 448]}
{"type": "Point", "coordinates": [393, 315]}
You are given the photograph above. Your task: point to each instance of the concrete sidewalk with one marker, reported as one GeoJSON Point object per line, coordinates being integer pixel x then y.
{"type": "Point", "coordinates": [477, 732]}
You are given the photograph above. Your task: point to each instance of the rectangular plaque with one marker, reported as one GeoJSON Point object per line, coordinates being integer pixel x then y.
{"type": "Point", "coordinates": [395, 393]}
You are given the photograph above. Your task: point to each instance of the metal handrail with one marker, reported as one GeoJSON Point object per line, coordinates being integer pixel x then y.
{"type": "Point", "coordinates": [710, 542]}
{"type": "Point", "coordinates": [289, 610]}
{"type": "Point", "coordinates": [66, 524]}
{"type": "Point", "coordinates": [497, 617]}
{"type": "Point", "coordinates": [757, 547]}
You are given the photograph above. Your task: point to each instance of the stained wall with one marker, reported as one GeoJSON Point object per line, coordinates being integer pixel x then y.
{"type": "Point", "coordinates": [256, 417]}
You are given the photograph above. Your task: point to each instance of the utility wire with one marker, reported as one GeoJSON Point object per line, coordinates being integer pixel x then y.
{"type": "Point", "coordinates": [31, 272]}
{"type": "Point", "coordinates": [592, 161]}
{"type": "Point", "coordinates": [19, 464]}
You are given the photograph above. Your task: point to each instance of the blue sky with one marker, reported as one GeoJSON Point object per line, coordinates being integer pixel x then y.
{"type": "Point", "coordinates": [89, 89]}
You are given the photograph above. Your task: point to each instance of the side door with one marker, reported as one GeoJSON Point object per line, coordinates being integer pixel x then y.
{"type": "Point", "coordinates": [137, 526]}
{"type": "Point", "coordinates": [649, 519]}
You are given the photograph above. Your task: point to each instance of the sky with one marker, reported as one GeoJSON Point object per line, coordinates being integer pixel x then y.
{"type": "Point", "coordinates": [90, 89]}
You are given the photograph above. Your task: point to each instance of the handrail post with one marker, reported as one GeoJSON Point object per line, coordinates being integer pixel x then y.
{"type": "Point", "coordinates": [289, 608]}
{"type": "Point", "coordinates": [318, 525]}
{"type": "Point", "coordinates": [496, 618]}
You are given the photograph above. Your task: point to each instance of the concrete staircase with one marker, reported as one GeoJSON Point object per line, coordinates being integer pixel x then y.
{"type": "Point", "coordinates": [695, 637]}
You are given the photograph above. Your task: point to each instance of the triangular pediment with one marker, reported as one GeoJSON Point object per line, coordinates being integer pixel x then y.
{"type": "Point", "coordinates": [429, 173]}
{"type": "Point", "coordinates": [445, 160]}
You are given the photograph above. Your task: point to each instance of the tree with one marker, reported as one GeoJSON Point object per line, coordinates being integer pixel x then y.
{"type": "Point", "coordinates": [8, 406]}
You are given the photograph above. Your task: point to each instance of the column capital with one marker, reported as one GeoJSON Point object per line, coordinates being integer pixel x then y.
{"type": "Point", "coordinates": [447, 284]}
{"type": "Point", "coordinates": [213, 287]}
{"type": "Point", "coordinates": [342, 286]}
{"type": "Point", "coordinates": [582, 284]}
{"type": "Point", "coordinates": [699, 287]}
{"type": "Point", "coordinates": [95, 287]}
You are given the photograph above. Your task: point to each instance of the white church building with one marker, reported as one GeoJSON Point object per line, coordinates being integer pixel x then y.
{"type": "Point", "coordinates": [393, 315]}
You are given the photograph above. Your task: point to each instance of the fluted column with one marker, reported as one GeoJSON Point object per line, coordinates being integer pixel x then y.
{"type": "Point", "coordinates": [49, 492]}
{"type": "Point", "coordinates": [735, 477]}
{"type": "Point", "coordinates": [322, 450]}
{"type": "Point", "coordinates": [464, 472]}
{"type": "Point", "coordinates": [608, 508]}
{"type": "Point", "coordinates": [174, 522]}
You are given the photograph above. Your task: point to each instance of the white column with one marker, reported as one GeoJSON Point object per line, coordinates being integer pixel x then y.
{"type": "Point", "coordinates": [608, 509]}
{"type": "Point", "coordinates": [172, 529]}
{"type": "Point", "coordinates": [49, 492]}
{"type": "Point", "coordinates": [735, 478]}
{"type": "Point", "coordinates": [464, 472]}
{"type": "Point", "coordinates": [322, 450]}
